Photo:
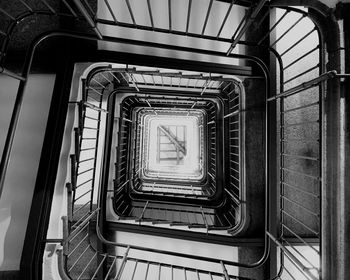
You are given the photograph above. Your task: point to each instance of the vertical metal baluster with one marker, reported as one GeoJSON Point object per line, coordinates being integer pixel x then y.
{"type": "Point", "coordinates": [79, 258]}
{"type": "Point", "coordinates": [130, 11]}
{"type": "Point", "coordinates": [248, 20]}
{"type": "Point", "coordinates": [110, 268]}
{"type": "Point", "coordinates": [188, 15]}
{"type": "Point", "coordinates": [114, 76]}
{"type": "Point", "coordinates": [69, 8]}
{"type": "Point", "coordinates": [122, 266]}
{"type": "Point", "coordinates": [111, 11]}
{"type": "Point", "coordinates": [86, 267]}
{"type": "Point", "coordinates": [49, 7]}
{"type": "Point", "coordinates": [133, 273]}
{"type": "Point", "coordinates": [150, 12]}
{"type": "Point", "coordinates": [204, 219]}
{"type": "Point", "coordinates": [207, 16]}
{"type": "Point", "coordinates": [159, 271]}
{"type": "Point", "coordinates": [227, 277]}
{"type": "Point", "coordinates": [29, 8]}
{"type": "Point", "coordinates": [169, 11]}
{"type": "Point", "coordinates": [225, 19]}
{"type": "Point", "coordinates": [99, 266]}
{"type": "Point", "coordinates": [143, 212]}
{"type": "Point", "coordinates": [147, 269]}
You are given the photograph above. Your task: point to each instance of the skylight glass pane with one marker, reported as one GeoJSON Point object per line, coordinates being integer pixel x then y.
{"type": "Point", "coordinates": [172, 145]}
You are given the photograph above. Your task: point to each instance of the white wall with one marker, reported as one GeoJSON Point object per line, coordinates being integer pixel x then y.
{"type": "Point", "coordinates": [16, 198]}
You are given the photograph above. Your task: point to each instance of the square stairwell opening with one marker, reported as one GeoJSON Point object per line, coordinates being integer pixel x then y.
{"type": "Point", "coordinates": [172, 146]}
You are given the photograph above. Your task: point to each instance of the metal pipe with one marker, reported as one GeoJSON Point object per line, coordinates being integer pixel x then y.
{"type": "Point", "coordinates": [284, 212]}
{"type": "Point", "coordinates": [111, 11]}
{"type": "Point", "coordinates": [96, 108]}
{"type": "Point", "coordinates": [225, 18]}
{"type": "Point", "coordinates": [93, 89]}
{"type": "Point", "coordinates": [301, 57]}
{"type": "Point", "coordinates": [205, 87]}
{"type": "Point", "coordinates": [88, 18]}
{"type": "Point", "coordinates": [232, 114]}
{"type": "Point", "coordinates": [227, 277]}
{"type": "Point", "coordinates": [132, 81]}
{"type": "Point", "coordinates": [115, 77]}
{"type": "Point", "coordinates": [301, 239]}
{"type": "Point", "coordinates": [300, 107]}
{"type": "Point", "coordinates": [314, 82]}
{"type": "Point", "coordinates": [299, 41]}
{"type": "Point", "coordinates": [188, 15]}
{"type": "Point", "coordinates": [79, 258]}
{"type": "Point", "coordinates": [300, 190]}
{"type": "Point", "coordinates": [11, 74]}
{"type": "Point", "coordinates": [299, 254]}
{"type": "Point", "coordinates": [301, 206]}
{"type": "Point", "coordinates": [49, 6]}
{"type": "Point", "coordinates": [207, 16]}
{"type": "Point", "coordinates": [122, 266]}
{"type": "Point", "coordinates": [99, 266]}
{"type": "Point", "coordinates": [130, 11]}
{"type": "Point", "coordinates": [289, 254]}
{"type": "Point", "coordinates": [289, 29]}
{"type": "Point", "coordinates": [301, 74]}
{"type": "Point", "coordinates": [247, 24]}
{"type": "Point", "coordinates": [78, 228]}
{"type": "Point", "coordinates": [169, 13]}
{"type": "Point", "coordinates": [70, 8]}
{"type": "Point", "coordinates": [79, 243]}
{"type": "Point", "coordinates": [7, 14]}
{"type": "Point", "coordinates": [273, 27]}
{"type": "Point", "coordinates": [343, 75]}
{"type": "Point", "coordinates": [86, 267]}
{"type": "Point", "coordinates": [150, 12]}
{"type": "Point", "coordinates": [30, 9]}
{"type": "Point", "coordinates": [108, 80]}
{"type": "Point", "coordinates": [89, 7]}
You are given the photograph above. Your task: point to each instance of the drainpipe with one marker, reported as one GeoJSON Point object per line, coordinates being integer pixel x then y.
{"type": "Point", "coordinates": [342, 12]}
{"type": "Point", "coordinates": [333, 263]}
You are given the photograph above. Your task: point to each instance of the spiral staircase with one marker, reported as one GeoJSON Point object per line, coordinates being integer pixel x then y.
{"type": "Point", "coordinates": [195, 139]}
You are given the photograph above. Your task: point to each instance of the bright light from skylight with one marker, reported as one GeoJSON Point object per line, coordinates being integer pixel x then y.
{"type": "Point", "coordinates": [172, 145]}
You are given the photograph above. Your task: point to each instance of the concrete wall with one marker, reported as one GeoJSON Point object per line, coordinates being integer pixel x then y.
{"type": "Point", "coordinates": [16, 198]}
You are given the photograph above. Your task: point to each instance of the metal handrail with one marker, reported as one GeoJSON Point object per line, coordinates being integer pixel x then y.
{"type": "Point", "coordinates": [13, 124]}
{"type": "Point", "coordinates": [240, 56]}
{"type": "Point", "coordinates": [266, 248]}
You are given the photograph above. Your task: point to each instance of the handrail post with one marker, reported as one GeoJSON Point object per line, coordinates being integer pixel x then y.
{"type": "Point", "coordinates": [73, 162]}
{"type": "Point", "coordinates": [204, 219]}
{"type": "Point", "coordinates": [227, 277]}
{"type": "Point", "coordinates": [77, 134]}
{"type": "Point", "coordinates": [122, 266]}
{"type": "Point", "coordinates": [143, 212]}
{"type": "Point", "coordinates": [65, 235]}
{"type": "Point", "coordinates": [69, 201]}
{"type": "Point", "coordinates": [88, 18]}
{"type": "Point", "coordinates": [11, 74]}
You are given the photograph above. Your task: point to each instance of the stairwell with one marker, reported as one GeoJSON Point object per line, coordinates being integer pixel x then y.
{"type": "Point", "coordinates": [122, 218]}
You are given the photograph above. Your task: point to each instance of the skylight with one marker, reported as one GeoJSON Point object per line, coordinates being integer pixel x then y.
{"type": "Point", "coordinates": [172, 146]}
